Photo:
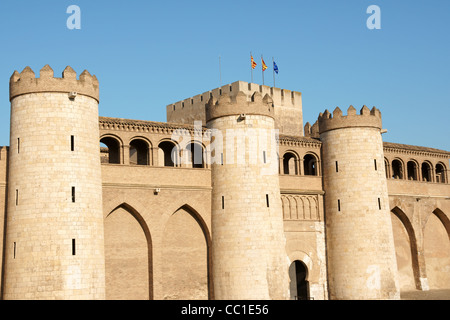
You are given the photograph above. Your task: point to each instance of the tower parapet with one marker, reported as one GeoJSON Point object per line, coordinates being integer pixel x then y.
{"type": "Point", "coordinates": [366, 118]}
{"type": "Point", "coordinates": [239, 104]}
{"type": "Point", "coordinates": [26, 82]}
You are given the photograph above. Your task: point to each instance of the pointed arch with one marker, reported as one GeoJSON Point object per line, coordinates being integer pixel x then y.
{"type": "Point", "coordinates": [174, 243]}
{"type": "Point", "coordinates": [399, 213]}
{"type": "Point", "coordinates": [194, 213]}
{"type": "Point", "coordinates": [444, 219]}
{"type": "Point", "coordinates": [436, 247]}
{"type": "Point", "coordinates": [148, 240]}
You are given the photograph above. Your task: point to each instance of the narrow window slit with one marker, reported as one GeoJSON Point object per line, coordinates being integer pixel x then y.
{"type": "Point", "coordinates": [72, 143]}
{"type": "Point", "coordinates": [267, 200]}
{"type": "Point", "coordinates": [264, 156]}
{"type": "Point", "coordinates": [223, 202]}
{"type": "Point", "coordinates": [73, 247]}
{"type": "Point", "coordinates": [73, 194]}
{"type": "Point", "coordinates": [17, 197]}
{"type": "Point", "coordinates": [339, 205]}
{"type": "Point", "coordinates": [379, 203]}
{"type": "Point", "coordinates": [375, 163]}
{"type": "Point", "coordinates": [18, 145]}
{"type": "Point", "coordinates": [337, 167]}
{"type": "Point", "coordinates": [14, 249]}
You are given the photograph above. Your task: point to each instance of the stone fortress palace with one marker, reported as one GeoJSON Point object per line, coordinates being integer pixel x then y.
{"type": "Point", "coordinates": [232, 198]}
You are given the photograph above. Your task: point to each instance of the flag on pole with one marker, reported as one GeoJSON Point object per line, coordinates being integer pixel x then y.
{"type": "Point", "coordinates": [264, 67]}
{"type": "Point", "coordinates": [275, 67]}
{"type": "Point", "coordinates": [253, 62]}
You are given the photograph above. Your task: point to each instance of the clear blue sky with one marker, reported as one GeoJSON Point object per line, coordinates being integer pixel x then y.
{"type": "Point", "coordinates": [148, 54]}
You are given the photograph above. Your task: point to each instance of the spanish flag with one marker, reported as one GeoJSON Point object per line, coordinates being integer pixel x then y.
{"type": "Point", "coordinates": [253, 62]}
{"type": "Point", "coordinates": [264, 67]}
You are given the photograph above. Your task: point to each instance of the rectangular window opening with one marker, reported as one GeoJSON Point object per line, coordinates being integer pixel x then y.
{"type": "Point", "coordinates": [73, 247]}
{"type": "Point", "coordinates": [337, 167]}
{"type": "Point", "coordinates": [267, 200]}
{"type": "Point", "coordinates": [17, 197]}
{"type": "Point", "coordinates": [264, 156]}
{"type": "Point", "coordinates": [339, 205]}
{"type": "Point", "coordinates": [14, 249]}
{"type": "Point", "coordinates": [73, 194]}
{"type": "Point", "coordinates": [379, 203]}
{"type": "Point", "coordinates": [223, 202]}
{"type": "Point", "coordinates": [18, 145]}
{"type": "Point", "coordinates": [72, 143]}
{"type": "Point", "coordinates": [375, 163]}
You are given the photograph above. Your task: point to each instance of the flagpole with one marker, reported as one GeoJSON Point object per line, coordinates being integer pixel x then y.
{"type": "Point", "coordinates": [220, 73]}
{"type": "Point", "coordinates": [273, 70]}
{"type": "Point", "coordinates": [262, 68]}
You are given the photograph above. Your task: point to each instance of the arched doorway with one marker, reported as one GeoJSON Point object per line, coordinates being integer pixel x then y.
{"type": "Point", "coordinates": [397, 169]}
{"type": "Point", "coordinates": [194, 157]}
{"type": "Point", "coordinates": [310, 165]}
{"type": "Point", "coordinates": [299, 285]}
{"type": "Point", "coordinates": [167, 154]}
{"type": "Point", "coordinates": [290, 163]}
{"type": "Point", "coordinates": [110, 150]}
{"type": "Point", "coordinates": [139, 152]}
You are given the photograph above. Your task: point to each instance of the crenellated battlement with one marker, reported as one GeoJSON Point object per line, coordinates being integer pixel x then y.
{"type": "Point", "coordinates": [287, 104]}
{"type": "Point", "coordinates": [26, 82]}
{"type": "Point", "coordinates": [239, 104]}
{"type": "Point", "coordinates": [365, 118]}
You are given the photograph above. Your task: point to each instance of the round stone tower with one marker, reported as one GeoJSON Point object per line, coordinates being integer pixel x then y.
{"type": "Point", "coordinates": [360, 246]}
{"type": "Point", "coordinates": [248, 243]}
{"type": "Point", "coordinates": [54, 228]}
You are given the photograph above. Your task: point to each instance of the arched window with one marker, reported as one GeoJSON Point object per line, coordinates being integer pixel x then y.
{"type": "Point", "coordinates": [426, 172]}
{"type": "Point", "coordinates": [290, 161]}
{"type": "Point", "coordinates": [167, 154]}
{"type": "Point", "coordinates": [110, 150]}
{"type": "Point", "coordinates": [195, 155]}
{"type": "Point", "coordinates": [139, 152]}
{"type": "Point", "coordinates": [412, 170]}
{"type": "Point", "coordinates": [310, 165]}
{"type": "Point", "coordinates": [440, 173]}
{"type": "Point", "coordinates": [397, 169]}
{"type": "Point", "coordinates": [386, 168]}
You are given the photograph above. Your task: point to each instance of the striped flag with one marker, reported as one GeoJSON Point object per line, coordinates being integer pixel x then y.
{"type": "Point", "coordinates": [264, 67]}
{"type": "Point", "coordinates": [253, 62]}
{"type": "Point", "coordinates": [275, 67]}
